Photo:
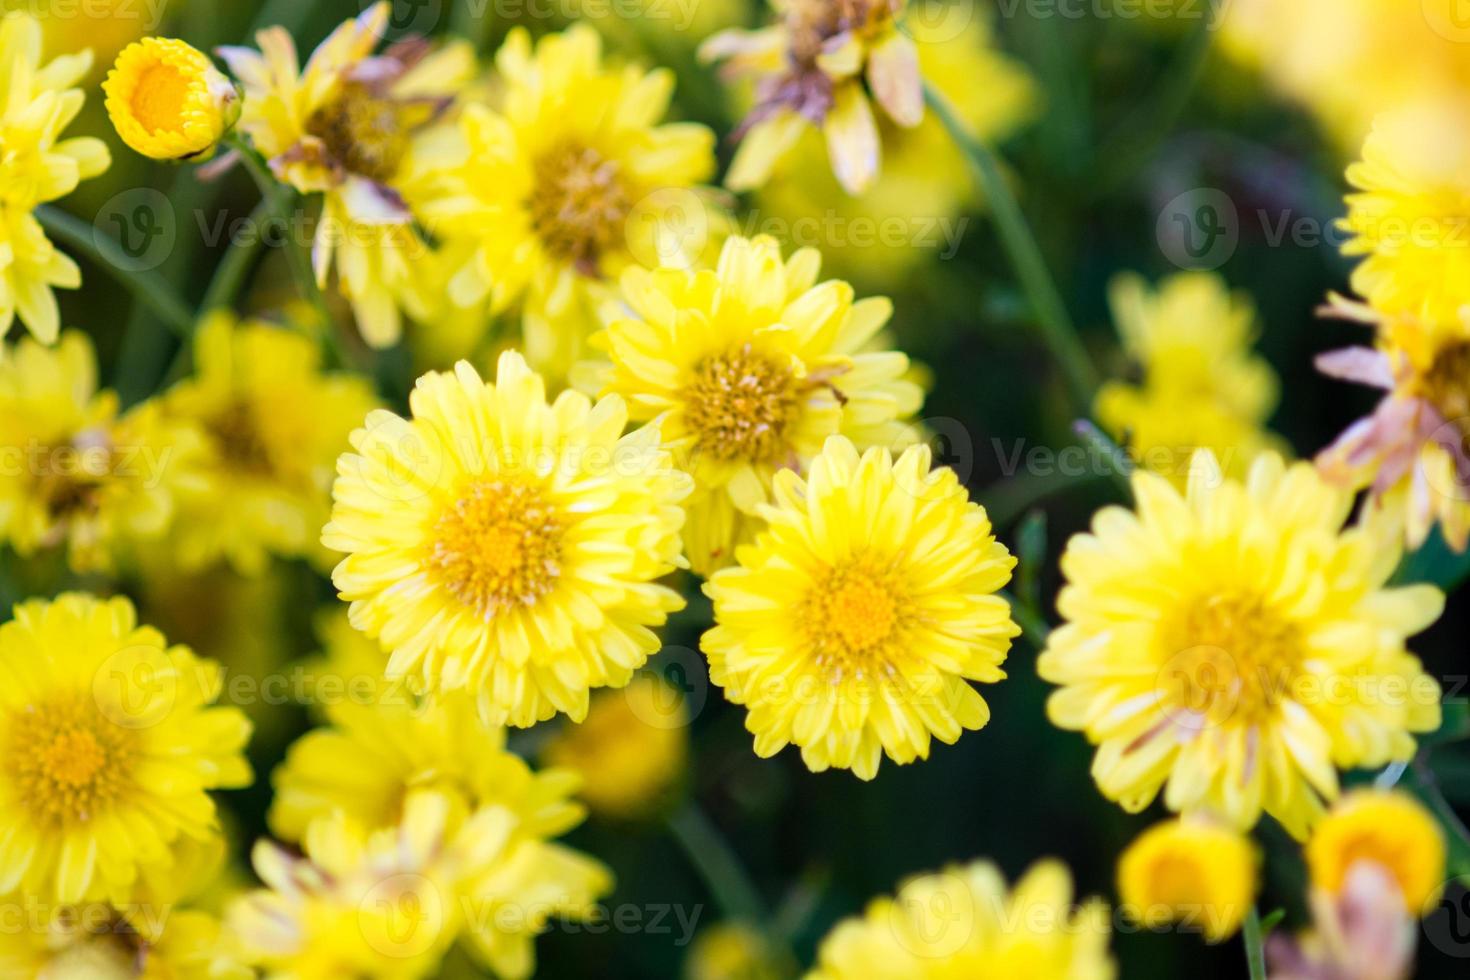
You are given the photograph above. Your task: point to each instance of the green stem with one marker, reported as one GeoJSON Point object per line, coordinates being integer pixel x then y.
{"type": "Point", "coordinates": [147, 286]}
{"type": "Point", "coordinates": [1057, 329]}
{"type": "Point", "coordinates": [1120, 467]}
{"type": "Point", "coordinates": [1255, 945]}
{"type": "Point", "coordinates": [232, 271]}
{"type": "Point", "coordinates": [717, 864]}
{"type": "Point", "coordinates": [1033, 625]}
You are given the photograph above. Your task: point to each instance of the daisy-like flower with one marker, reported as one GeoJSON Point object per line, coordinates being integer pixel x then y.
{"type": "Point", "coordinates": [1407, 218]}
{"type": "Point", "coordinates": [1411, 453]}
{"type": "Point", "coordinates": [364, 902]}
{"type": "Point", "coordinates": [37, 102]}
{"type": "Point", "coordinates": [354, 126]}
{"type": "Point", "coordinates": [1194, 874]}
{"type": "Point", "coordinates": [372, 759]}
{"type": "Point", "coordinates": [508, 546]}
{"type": "Point", "coordinates": [108, 748]}
{"type": "Point", "coordinates": [630, 751]}
{"type": "Point", "coordinates": [274, 424]}
{"type": "Point", "coordinates": [74, 472]}
{"type": "Point", "coordinates": [1389, 829]}
{"type": "Point", "coordinates": [1202, 387]}
{"type": "Point", "coordinates": [962, 922]}
{"type": "Point", "coordinates": [750, 367]}
{"type": "Point", "coordinates": [1236, 643]}
{"type": "Point", "coordinates": [168, 101]}
{"type": "Point", "coordinates": [853, 624]}
{"type": "Point", "coordinates": [815, 68]}
{"type": "Point", "coordinates": [567, 184]}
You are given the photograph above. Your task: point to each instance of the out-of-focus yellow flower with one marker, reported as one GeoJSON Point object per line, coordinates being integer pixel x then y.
{"type": "Point", "coordinates": [573, 179]}
{"type": "Point", "coordinates": [76, 473]}
{"type": "Point", "coordinates": [274, 424]}
{"type": "Point", "coordinates": [168, 101]}
{"type": "Point", "coordinates": [104, 26]}
{"type": "Point", "coordinates": [750, 367]}
{"type": "Point", "coordinates": [374, 757]}
{"type": "Point", "coordinates": [37, 102]}
{"type": "Point", "coordinates": [1410, 453]}
{"type": "Point", "coordinates": [961, 922]}
{"type": "Point", "coordinates": [1202, 388]}
{"type": "Point", "coordinates": [914, 209]}
{"type": "Point", "coordinates": [852, 626]}
{"type": "Point", "coordinates": [1193, 873]}
{"type": "Point", "coordinates": [1235, 643]}
{"type": "Point", "coordinates": [1389, 829]}
{"type": "Point", "coordinates": [816, 67]}
{"type": "Point", "coordinates": [630, 750]}
{"type": "Point", "coordinates": [109, 750]}
{"type": "Point", "coordinates": [734, 951]}
{"type": "Point", "coordinates": [1407, 219]}
{"type": "Point", "coordinates": [507, 546]}
{"type": "Point", "coordinates": [356, 126]}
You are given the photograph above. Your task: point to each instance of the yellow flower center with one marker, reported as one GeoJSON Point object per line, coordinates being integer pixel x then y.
{"type": "Point", "coordinates": [1231, 658]}
{"type": "Point", "coordinates": [365, 133]}
{"type": "Point", "coordinates": [159, 98]}
{"type": "Point", "coordinates": [67, 761]}
{"type": "Point", "coordinates": [498, 545]}
{"type": "Point", "coordinates": [578, 204]}
{"type": "Point", "coordinates": [740, 405]}
{"type": "Point", "coordinates": [853, 617]}
{"type": "Point", "coordinates": [1175, 880]}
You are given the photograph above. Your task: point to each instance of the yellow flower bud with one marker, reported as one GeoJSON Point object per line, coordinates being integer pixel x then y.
{"type": "Point", "coordinates": [1193, 873]}
{"type": "Point", "coordinates": [168, 101]}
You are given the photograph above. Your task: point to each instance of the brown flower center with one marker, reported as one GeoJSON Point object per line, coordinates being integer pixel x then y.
{"type": "Point", "coordinates": [366, 133]}
{"type": "Point", "coordinates": [578, 204]}
{"type": "Point", "coordinates": [740, 406]}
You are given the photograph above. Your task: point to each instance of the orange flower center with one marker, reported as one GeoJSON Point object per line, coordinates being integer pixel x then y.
{"type": "Point", "coordinates": [498, 545]}
{"type": "Point", "coordinates": [68, 762]}
{"type": "Point", "coordinates": [853, 618]}
{"type": "Point", "coordinates": [159, 98]}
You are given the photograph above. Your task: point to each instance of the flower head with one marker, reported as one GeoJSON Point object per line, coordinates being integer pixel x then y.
{"type": "Point", "coordinates": [751, 366]}
{"type": "Point", "coordinates": [630, 750]}
{"type": "Point", "coordinates": [168, 101]}
{"type": "Point", "coordinates": [505, 545]}
{"type": "Point", "coordinates": [815, 67]}
{"type": "Point", "coordinates": [962, 922]}
{"type": "Point", "coordinates": [108, 748]}
{"type": "Point", "coordinates": [1195, 873]}
{"type": "Point", "coordinates": [372, 760]}
{"type": "Point", "coordinates": [853, 624]}
{"type": "Point", "coordinates": [84, 476]}
{"type": "Point", "coordinates": [37, 102]}
{"type": "Point", "coordinates": [1237, 644]}
{"type": "Point", "coordinates": [554, 193]}
{"type": "Point", "coordinates": [1201, 388]}
{"type": "Point", "coordinates": [1389, 829]}
{"type": "Point", "coordinates": [355, 126]}
{"type": "Point", "coordinates": [273, 424]}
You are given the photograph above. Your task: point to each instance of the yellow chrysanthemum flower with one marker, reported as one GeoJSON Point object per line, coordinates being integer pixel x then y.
{"type": "Point", "coordinates": [1407, 218]}
{"type": "Point", "coordinates": [914, 210]}
{"type": "Point", "coordinates": [109, 750]}
{"type": "Point", "coordinates": [1411, 452]}
{"type": "Point", "coordinates": [168, 101]}
{"type": "Point", "coordinates": [508, 546]}
{"type": "Point", "coordinates": [37, 102]}
{"type": "Point", "coordinates": [274, 424]}
{"type": "Point", "coordinates": [630, 750]}
{"type": "Point", "coordinates": [1236, 643]}
{"type": "Point", "coordinates": [751, 366]}
{"type": "Point", "coordinates": [1194, 874]}
{"type": "Point", "coordinates": [1202, 388]}
{"type": "Point", "coordinates": [961, 922]}
{"type": "Point", "coordinates": [74, 472]}
{"type": "Point", "coordinates": [356, 127]}
{"type": "Point", "coordinates": [563, 187]}
{"type": "Point", "coordinates": [384, 903]}
{"type": "Point", "coordinates": [816, 67]}
{"type": "Point", "coordinates": [852, 625]}
{"type": "Point", "coordinates": [1390, 829]}
{"type": "Point", "coordinates": [374, 756]}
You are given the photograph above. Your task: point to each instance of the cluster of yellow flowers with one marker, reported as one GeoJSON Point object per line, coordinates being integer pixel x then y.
{"type": "Point", "coordinates": [675, 400]}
